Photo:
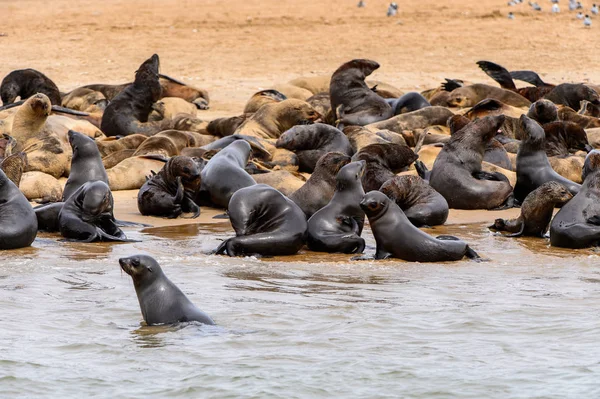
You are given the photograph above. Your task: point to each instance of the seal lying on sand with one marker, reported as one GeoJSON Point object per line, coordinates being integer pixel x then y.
{"type": "Point", "coordinates": [25, 83]}
{"type": "Point", "coordinates": [265, 222]}
{"type": "Point", "coordinates": [161, 302]}
{"type": "Point", "coordinates": [396, 236]}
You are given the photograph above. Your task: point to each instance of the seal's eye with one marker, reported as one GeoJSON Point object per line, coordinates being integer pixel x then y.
{"type": "Point", "coordinates": [186, 170]}
{"type": "Point", "coordinates": [135, 262]}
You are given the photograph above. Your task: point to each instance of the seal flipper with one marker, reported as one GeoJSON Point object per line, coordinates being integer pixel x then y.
{"type": "Point", "coordinates": [495, 176]}
{"type": "Point", "coordinates": [595, 220]}
{"type": "Point", "coordinates": [529, 77]}
{"type": "Point", "coordinates": [471, 254]}
{"type": "Point", "coordinates": [124, 223]}
{"type": "Point", "coordinates": [103, 236]}
{"type": "Point", "coordinates": [519, 233]}
{"type": "Point", "coordinates": [422, 170]}
{"type": "Point", "coordinates": [381, 254]}
{"type": "Point", "coordinates": [498, 73]}
{"type": "Point", "coordinates": [452, 84]}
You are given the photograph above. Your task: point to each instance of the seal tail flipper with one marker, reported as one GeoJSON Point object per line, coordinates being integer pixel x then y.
{"type": "Point", "coordinates": [498, 73]}
{"type": "Point", "coordinates": [529, 77]}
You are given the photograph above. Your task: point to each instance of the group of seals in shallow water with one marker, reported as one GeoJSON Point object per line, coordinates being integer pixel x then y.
{"type": "Point", "coordinates": [303, 163]}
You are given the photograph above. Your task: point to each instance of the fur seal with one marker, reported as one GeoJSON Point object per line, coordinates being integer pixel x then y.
{"type": "Point", "coordinates": [536, 211]}
{"type": "Point", "coordinates": [223, 127]}
{"type": "Point", "coordinates": [161, 302]}
{"type": "Point", "coordinates": [131, 173]}
{"type": "Point", "coordinates": [383, 162]}
{"type": "Point", "coordinates": [533, 167]}
{"type": "Point", "coordinates": [87, 215]}
{"type": "Point", "coordinates": [421, 204]}
{"type": "Point", "coordinates": [468, 96]}
{"type": "Point", "coordinates": [14, 166]}
{"type": "Point", "coordinates": [337, 226]}
{"type": "Point", "coordinates": [311, 142]}
{"type": "Point", "coordinates": [109, 145]}
{"type": "Point", "coordinates": [85, 100]}
{"type": "Point", "coordinates": [571, 95]}
{"type": "Point", "coordinates": [25, 83]}
{"type": "Point", "coordinates": [86, 164]}
{"type": "Point", "coordinates": [457, 173]}
{"type": "Point", "coordinates": [352, 101]}
{"type": "Point", "coordinates": [265, 222]}
{"type": "Point", "coordinates": [409, 102]}
{"type": "Point", "coordinates": [164, 193]}
{"type": "Point", "coordinates": [396, 236]}
{"type": "Point", "coordinates": [543, 111]}
{"type": "Point", "coordinates": [504, 78]}
{"type": "Point", "coordinates": [40, 187]}
{"type": "Point", "coordinates": [319, 188]}
{"type": "Point", "coordinates": [17, 218]}
{"type": "Point", "coordinates": [224, 174]}
{"type": "Point", "coordinates": [419, 119]}
{"type": "Point", "coordinates": [128, 112]}
{"type": "Point", "coordinates": [261, 98]}
{"type": "Point", "coordinates": [577, 224]}
{"type": "Point", "coordinates": [30, 118]}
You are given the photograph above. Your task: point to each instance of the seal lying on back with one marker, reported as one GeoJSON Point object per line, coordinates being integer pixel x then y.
{"type": "Point", "coordinates": [265, 222]}
{"type": "Point", "coordinates": [320, 187]}
{"type": "Point", "coordinates": [161, 302]}
{"type": "Point", "coordinates": [337, 226]}
{"type": "Point", "coordinates": [533, 167]}
{"type": "Point", "coordinates": [536, 211]}
{"type": "Point", "coordinates": [164, 193]}
{"type": "Point", "coordinates": [17, 218]}
{"type": "Point", "coordinates": [577, 224]}
{"type": "Point", "coordinates": [352, 101]}
{"type": "Point", "coordinates": [87, 215]}
{"type": "Point", "coordinates": [457, 173]}
{"type": "Point", "coordinates": [128, 112]}
{"type": "Point", "coordinates": [421, 204]}
{"type": "Point", "coordinates": [396, 236]}
{"type": "Point", "coordinates": [25, 83]}
{"type": "Point", "coordinates": [86, 164]}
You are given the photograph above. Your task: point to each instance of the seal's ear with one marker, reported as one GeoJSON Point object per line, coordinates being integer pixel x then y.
{"type": "Point", "coordinates": [150, 269]}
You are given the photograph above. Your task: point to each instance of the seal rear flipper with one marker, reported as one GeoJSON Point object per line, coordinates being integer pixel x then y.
{"type": "Point", "coordinates": [381, 254]}
{"type": "Point", "coordinates": [103, 236]}
{"type": "Point", "coordinates": [471, 254]}
{"type": "Point", "coordinates": [529, 77]}
{"type": "Point", "coordinates": [222, 249]}
{"type": "Point", "coordinates": [508, 204]}
{"type": "Point", "coordinates": [498, 73]}
{"type": "Point", "coordinates": [422, 170]}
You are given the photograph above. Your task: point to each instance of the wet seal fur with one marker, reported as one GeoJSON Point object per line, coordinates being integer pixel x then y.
{"type": "Point", "coordinates": [337, 226]}
{"type": "Point", "coordinates": [533, 166]}
{"type": "Point", "coordinates": [266, 223]}
{"type": "Point", "coordinates": [457, 173]}
{"type": "Point", "coordinates": [396, 237]}
{"type": "Point", "coordinates": [164, 193]}
{"type": "Point", "coordinates": [421, 204]}
{"type": "Point", "coordinates": [161, 302]}
{"type": "Point", "coordinates": [352, 101]}
{"type": "Point", "coordinates": [17, 218]}
{"type": "Point", "coordinates": [536, 211]}
{"type": "Point", "coordinates": [25, 83]}
{"type": "Point", "coordinates": [320, 187]}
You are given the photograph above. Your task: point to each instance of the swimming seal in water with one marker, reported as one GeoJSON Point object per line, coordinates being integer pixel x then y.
{"type": "Point", "coordinates": [161, 302]}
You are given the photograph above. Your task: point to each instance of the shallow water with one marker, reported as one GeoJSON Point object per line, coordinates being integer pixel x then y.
{"type": "Point", "coordinates": [522, 325]}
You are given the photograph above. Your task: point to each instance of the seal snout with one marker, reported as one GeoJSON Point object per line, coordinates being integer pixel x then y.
{"type": "Point", "coordinates": [125, 264]}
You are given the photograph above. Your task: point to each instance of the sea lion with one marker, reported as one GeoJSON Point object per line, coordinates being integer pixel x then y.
{"type": "Point", "coordinates": [86, 164]}
{"type": "Point", "coordinates": [128, 112]}
{"type": "Point", "coordinates": [504, 78]}
{"type": "Point", "coordinates": [175, 88]}
{"type": "Point", "coordinates": [337, 226]}
{"type": "Point", "coordinates": [533, 167]}
{"type": "Point", "coordinates": [168, 107]}
{"type": "Point", "coordinates": [319, 188]}
{"type": "Point", "coordinates": [409, 102]}
{"type": "Point", "coordinates": [536, 211]}
{"type": "Point", "coordinates": [571, 94]}
{"type": "Point", "coordinates": [496, 154]}
{"type": "Point", "coordinates": [257, 145]}
{"type": "Point", "coordinates": [311, 142]}
{"type": "Point", "coordinates": [261, 98]}
{"type": "Point", "coordinates": [157, 145]}
{"type": "Point", "coordinates": [360, 137]}
{"type": "Point", "coordinates": [564, 138]}
{"type": "Point", "coordinates": [223, 127]}
{"type": "Point", "coordinates": [131, 173]}
{"type": "Point", "coordinates": [588, 109]}
{"type": "Point", "coordinates": [112, 160]}
{"type": "Point", "coordinates": [396, 236]}
{"type": "Point", "coordinates": [40, 187]}
{"type": "Point", "coordinates": [592, 162]}
{"type": "Point", "coordinates": [85, 100]}
{"type": "Point", "coordinates": [543, 111]}
{"type": "Point", "coordinates": [577, 224]}
{"type": "Point", "coordinates": [161, 302]}
{"type": "Point", "coordinates": [383, 161]}
{"type": "Point", "coordinates": [265, 222]}
{"type": "Point", "coordinates": [419, 119]}
{"type": "Point", "coordinates": [457, 173]}
{"type": "Point", "coordinates": [322, 104]}
{"type": "Point", "coordinates": [17, 218]}
{"type": "Point", "coordinates": [164, 193]}
{"type": "Point", "coordinates": [490, 107]}
{"type": "Point", "coordinates": [281, 180]}
{"type": "Point", "coordinates": [30, 118]}
{"type": "Point", "coordinates": [569, 115]}
{"type": "Point", "coordinates": [421, 204]}
{"type": "Point", "coordinates": [468, 96]}
{"type": "Point", "coordinates": [352, 101]}
{"type": "Point", "coordinates": [14, 166]}
{"type": "Point", "coordinates": [87, 215]}
{"type": "Point", "coordinates": [25, 83]}
{"type": "Point", "coordinates": [224, 174]}
{"type": "Point", "coordinates": [271, 120]}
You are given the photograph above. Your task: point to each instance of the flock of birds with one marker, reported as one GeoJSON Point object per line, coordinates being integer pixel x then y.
{"type": "Point", "coordinates": [555, 9]}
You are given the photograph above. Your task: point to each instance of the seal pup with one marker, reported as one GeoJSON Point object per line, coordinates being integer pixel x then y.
{"type": "Point", "coordinates": [25, 83]}
{"type": "Point", "coordinates": [87, 215]}
{"type": "Point", "coordinates": [396, 236]}
{"type": "Point", "coordinates": [164, 194]}
{"type": "Point", "coordinates": [533, 166]}
{"type": "Point", "coordinates": [17, 218]}
{"type": "Point", "coordinates": [457, 173]}
{"type": "Point", "coordinates": [224, 174]}
{"type": "Point", "coordinates": [161, 302]}
{"type": "Point", "coordinates": [320, 186]}
{"type": "Point", "coordinates": [86, 164]}
{"type": "Point", "coordinates": [128, 112]}
{"type": "Point", "coordinates": [352, 101]}
{"type": "Point", "coordinates": [536, 211]}
{"type": "Point", "coordinates": [311, 142]}
{"type": "Point", "coordinates": [421, 204]}
{"type": "Point", "coordinates": [337, 226]}
{"type": "Point", "coordinates": [266, 223]}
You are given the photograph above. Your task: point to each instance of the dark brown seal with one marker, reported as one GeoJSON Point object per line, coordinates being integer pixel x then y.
{"type": "Point", "coordinates": [383, 162]}
{"type": "Point", "coordinates": [25, 83]}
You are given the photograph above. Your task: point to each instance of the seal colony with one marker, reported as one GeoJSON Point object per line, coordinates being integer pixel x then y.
{"type": "Point", "coordinates": [301, 166]}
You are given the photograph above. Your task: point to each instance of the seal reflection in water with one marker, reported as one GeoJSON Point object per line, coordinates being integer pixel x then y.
{"type": "Point", "coordinates": [161, 302]}
{"type": "Point", "coordinates": [396, 236]}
